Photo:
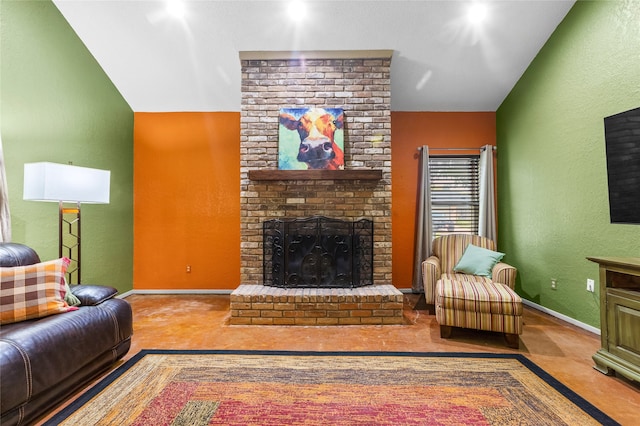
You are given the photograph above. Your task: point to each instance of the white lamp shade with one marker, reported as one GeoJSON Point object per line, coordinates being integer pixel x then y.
{"type": "Point", "coordinates": [62, 182]}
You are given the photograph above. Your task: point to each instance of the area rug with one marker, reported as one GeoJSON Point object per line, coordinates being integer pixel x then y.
{"type": "Point", "coordinates": [328, 388]}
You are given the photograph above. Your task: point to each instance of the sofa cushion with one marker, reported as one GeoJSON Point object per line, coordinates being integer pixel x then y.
{"type": "Point", "coordinates": [45, 359]}
{"type": "Point", "coordinates": [478, 261]}
{"type": "Point", "coordinates": [15, 254]}
{"type": "Point", "coordinates": [33, 291]}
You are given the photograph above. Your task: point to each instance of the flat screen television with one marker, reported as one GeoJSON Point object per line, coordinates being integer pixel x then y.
{"type": "Point", "coordinates": [622, 139]}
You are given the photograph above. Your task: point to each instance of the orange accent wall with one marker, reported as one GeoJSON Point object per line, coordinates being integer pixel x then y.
{"type": "Point", "coordinates": [187, 192]}
{"type": "Point", "coordinates": [410, 130]}
{"type": "Point", "coordinates": [186, 200]}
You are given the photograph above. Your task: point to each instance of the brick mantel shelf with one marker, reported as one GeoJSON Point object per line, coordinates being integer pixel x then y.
{"type": "Point", "coordinates": [365, 174]}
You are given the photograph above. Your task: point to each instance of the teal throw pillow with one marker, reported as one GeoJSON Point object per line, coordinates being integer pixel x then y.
{"type": "Point", "coordinates": [478, 261]}
{"type": "Point", "coordinates": [69, 297]}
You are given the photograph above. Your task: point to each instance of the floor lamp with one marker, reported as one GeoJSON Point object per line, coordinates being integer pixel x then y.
{"type": "Point", "coordinates": [64, 183]}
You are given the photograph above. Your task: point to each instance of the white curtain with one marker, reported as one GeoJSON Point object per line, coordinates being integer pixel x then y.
{"type": "Point", "coordinates": [5, 217]}
{"type": "Point", "coordinates": [423, 221]}
{"type": "Point", "coordinates": [487, 214]}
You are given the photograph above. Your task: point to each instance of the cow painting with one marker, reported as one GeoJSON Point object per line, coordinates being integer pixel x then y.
{"type": "Point", "coordinates": [311, 138]}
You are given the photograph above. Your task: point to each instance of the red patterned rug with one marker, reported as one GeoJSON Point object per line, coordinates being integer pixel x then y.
{"type": "Point", "coordinates": [321, 388]}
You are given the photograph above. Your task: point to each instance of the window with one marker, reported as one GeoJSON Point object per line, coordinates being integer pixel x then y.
{"type": "Point", "coordinates": [455, 194]}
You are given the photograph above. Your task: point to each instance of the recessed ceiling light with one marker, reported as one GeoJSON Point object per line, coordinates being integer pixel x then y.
{"type": "Point", "coordinates": [477, 12]}
{"type": "Point", "coordinates": [297, 9]}
{"type": "Point", "coordinates": [176, 8]}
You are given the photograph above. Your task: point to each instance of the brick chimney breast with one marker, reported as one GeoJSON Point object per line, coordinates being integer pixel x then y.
{"type": "Point", "coordinates": [356, 81]}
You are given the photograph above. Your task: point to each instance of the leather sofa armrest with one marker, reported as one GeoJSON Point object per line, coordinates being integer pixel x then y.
{"type": "Point", "coordinates": [431, 273]}
{"type": "Point", "coordinates": [505, 274]}
{"type": "Point", "coordinates": [91, 295]}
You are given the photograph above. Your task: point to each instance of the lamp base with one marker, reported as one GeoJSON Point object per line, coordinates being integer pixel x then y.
{"type": "Point", "coordinates": [69, 240]}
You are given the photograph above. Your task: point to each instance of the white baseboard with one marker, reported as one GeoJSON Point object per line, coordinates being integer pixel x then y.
{"type": "Point", "coordinates": [171, 291]}
{"type": "Point", "coordinates": [563, 317]}
{"type": "Point", "coordinates": [125, 294]}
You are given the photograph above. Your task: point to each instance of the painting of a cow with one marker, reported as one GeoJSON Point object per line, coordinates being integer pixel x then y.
{"type": "Point", "coordinates": [311, 138]}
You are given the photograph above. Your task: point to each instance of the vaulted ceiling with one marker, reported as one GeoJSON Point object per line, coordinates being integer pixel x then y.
{"type": "Point", "coordinates": [442, 60]}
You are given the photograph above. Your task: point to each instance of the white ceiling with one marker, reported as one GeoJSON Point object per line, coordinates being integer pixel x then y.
{"type": "Point", "coordinates": [440, 61]}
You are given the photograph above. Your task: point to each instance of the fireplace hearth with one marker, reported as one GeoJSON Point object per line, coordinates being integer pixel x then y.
{"type": "Point", "coordinates": [317, 252]}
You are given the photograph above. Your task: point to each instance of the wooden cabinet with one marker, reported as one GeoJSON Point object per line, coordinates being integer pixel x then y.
{"type": "Point", "coordinates": [619, 316]}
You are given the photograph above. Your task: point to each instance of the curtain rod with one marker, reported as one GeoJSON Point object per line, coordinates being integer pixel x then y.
{"type": "Point", "coordinates": [458, 149]}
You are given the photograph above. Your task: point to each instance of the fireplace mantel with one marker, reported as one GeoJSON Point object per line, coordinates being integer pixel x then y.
{"type": "Point", "coordinates": [364, 174]}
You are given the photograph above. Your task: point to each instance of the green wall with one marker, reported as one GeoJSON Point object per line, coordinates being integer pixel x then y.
{"type": "Point", "coordinates": [552, 177]}
{"type": "Point", "coordinates": [58, 105]}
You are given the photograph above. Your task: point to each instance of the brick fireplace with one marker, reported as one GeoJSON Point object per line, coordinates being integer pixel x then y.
{"type": "Point", "coordinates": [359, 83]}
{"type": "Point", "coordinates": [356, 81]}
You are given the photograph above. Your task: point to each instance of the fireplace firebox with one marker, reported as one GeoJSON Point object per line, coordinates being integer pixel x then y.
{"type": "Point", "coordinates": [318, 252]}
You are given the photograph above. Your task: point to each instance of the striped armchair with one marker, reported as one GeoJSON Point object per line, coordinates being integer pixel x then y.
{"type": "Point", "coordinates": [471, 301]}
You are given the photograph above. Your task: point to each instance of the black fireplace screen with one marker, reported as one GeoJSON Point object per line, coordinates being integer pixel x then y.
{"type": "Point", "coordinates": [318, 252]}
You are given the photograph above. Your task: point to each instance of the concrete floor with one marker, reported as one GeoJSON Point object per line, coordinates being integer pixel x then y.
{"type": "Point", "coordinates": [563, 350]}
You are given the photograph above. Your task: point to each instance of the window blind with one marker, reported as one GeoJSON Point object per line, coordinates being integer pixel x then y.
{"type": "Point", "coordinates": [455, 194]}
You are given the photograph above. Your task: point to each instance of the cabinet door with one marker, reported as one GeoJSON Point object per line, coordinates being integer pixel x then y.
{"type": "Point", "coordinates": [623, 323]}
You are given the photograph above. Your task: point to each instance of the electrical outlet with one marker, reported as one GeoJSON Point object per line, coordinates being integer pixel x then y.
{"type": "Point", "coordinates": [554, 284]}
{"type": "Point", "coordinates": [591, 285]}
{"type": "Point", "coordinates": [188, 268]}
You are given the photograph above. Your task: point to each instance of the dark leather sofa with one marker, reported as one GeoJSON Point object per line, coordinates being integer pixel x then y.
{"type": "Point", "coordinates": [43, 361]}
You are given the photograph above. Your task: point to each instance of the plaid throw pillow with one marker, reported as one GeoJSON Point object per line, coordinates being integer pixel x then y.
{"type": "Point", "coordinates": [33, 291]}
